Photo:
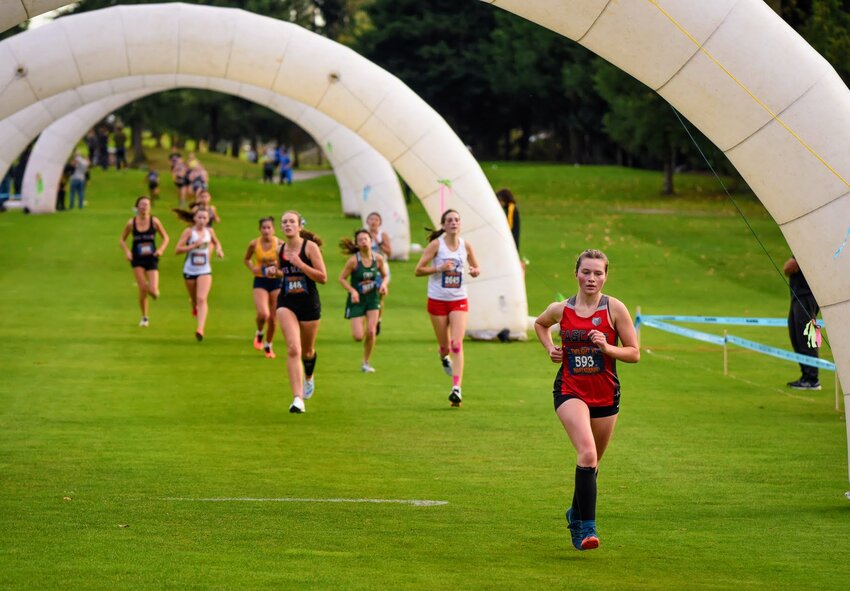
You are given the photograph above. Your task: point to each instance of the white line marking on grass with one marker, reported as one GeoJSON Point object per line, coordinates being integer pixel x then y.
{"type": "Point", "coordinates": [415, 502]}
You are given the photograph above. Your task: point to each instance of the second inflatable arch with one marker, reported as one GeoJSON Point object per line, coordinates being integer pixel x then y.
{"type": "Point", "coordinates": [355, 164]}
{"type": "Point", "coordinates": [167, 39]}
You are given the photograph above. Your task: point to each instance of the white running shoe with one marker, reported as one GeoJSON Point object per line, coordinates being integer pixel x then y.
{"type": "Point", "coordinates": [144, 321]}
{"type": "Point", "coordinates": [447, 365]}
{"type": "Point", "coordinates": [297, 406]}
{"type": "Point", "coordinates": [366, 368]}
{"type": "Point", "coordinates": [455, 397]}
{"type": "Point", "coordinates": [309, 388]}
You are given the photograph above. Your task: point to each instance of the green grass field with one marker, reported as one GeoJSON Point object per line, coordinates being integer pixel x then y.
{"type": "Point", "coordinates": [711, 482]}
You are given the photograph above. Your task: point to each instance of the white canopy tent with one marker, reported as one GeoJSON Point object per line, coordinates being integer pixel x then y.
{"type": "Point", "coordinates": [367, 181]}
{"type": "Point", "coordinates": [163, 39]}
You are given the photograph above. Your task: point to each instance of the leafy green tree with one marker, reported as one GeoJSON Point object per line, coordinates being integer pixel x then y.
{"type": "Point", "coordinates": [523, 64]}
{"type": "Point", "coordinates": [216, 117]}
{"type": "Point", "coordinates": [828, 30]}
{"type": "Point", "coordinates": [438, 49]}
{"type": "Point", "coordinates": [640, 121]}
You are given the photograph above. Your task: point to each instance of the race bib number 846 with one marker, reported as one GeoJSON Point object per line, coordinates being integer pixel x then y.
{"type": "Point", "coordinates": [295, 284]}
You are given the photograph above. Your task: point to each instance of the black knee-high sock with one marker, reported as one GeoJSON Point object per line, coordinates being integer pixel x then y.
{"type": "Point", "coordinates": [574, 506]}
{"type": "Point", "coordinates": [309, 365]}
{"type": "Point", "coordinates": [585, 492]}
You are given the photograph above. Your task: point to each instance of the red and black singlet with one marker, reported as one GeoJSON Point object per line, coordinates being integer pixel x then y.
{"type": "Point", "coordinates": [585, 372]}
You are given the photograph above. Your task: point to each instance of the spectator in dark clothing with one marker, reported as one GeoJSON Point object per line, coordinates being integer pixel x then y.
{"type": "Point", "coordinates": [91, 144]}
{"type": "Point", "coordinates": [18, 171]}
{"type": "Point", "coordinates": [6, 186]}
{"type": "Point", "coordinates": [63, 182]}
{"type": "Point", "coordinates": [508, 203]}
{"type": "Point", "coordinates": [804, 309]}
{"type": "Point", "coordinates": [120, 140]}
{"type": "Point", "coordinates": [103, 147]}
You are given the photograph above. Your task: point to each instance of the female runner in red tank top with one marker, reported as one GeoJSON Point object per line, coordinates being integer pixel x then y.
{"type": "Point", "coordinates": [587, 390]}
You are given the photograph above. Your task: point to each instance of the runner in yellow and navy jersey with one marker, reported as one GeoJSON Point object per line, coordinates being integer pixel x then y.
{"type": "Point", "coordinates": [366, 279]}
{"type": "Point", "coordinates": [261, 259]}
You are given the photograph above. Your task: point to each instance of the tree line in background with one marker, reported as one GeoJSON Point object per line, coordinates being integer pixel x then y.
{"type": "Point", "coordinates": [511, 89]}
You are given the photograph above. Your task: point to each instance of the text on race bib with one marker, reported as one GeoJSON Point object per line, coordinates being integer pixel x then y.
{"type": "Point", "coordinates": [452, 279]}
{"type": "Point", "coordinates": [295, 284]}
{"type": "Point", "coordinates": [583, 360]}
{"type": "Point", "coordinates": [145, 249]}
{"type": "Point", "coordinates": [366, 286]}
{"type": "Point", "coordinates": [199, 259]}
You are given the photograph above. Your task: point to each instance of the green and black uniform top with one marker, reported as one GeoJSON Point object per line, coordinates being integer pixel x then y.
{"type": "Point", "coordinates": [365, 279]}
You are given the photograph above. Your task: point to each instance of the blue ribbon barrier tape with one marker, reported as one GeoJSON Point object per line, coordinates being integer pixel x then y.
{"type": "Point", "coordinates": [781, 353]}
{"type": "Point", "coordinates": [731, 320]}
{"type": "Point", "coordinates": [685, 332]}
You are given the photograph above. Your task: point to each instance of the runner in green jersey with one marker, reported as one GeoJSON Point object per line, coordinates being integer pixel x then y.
{"type": "Point", "coordinates": [365, 279]}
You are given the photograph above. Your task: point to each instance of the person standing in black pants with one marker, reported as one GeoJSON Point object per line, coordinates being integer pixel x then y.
{"type": "Point", "coordinates": [804, 309]}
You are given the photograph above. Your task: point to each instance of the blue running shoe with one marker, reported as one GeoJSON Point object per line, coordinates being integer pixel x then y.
{"type": "Point", "coordinates": [589, 538]}
{"type": "Point", "coordinates": [309, 388]}
{"type": "Point", "coordinates": [575, 528]}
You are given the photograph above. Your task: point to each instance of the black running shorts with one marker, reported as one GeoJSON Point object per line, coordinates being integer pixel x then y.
{"type": "Point", "coordinates": [147, 263]}
{"type": "Point", "coordinates": [596, 412]}
{"type": "Point", "coordinates": [305, 309]}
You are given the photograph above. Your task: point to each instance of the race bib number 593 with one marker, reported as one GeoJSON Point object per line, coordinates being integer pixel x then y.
{"type": "Point", "coordinates": [584, 360]}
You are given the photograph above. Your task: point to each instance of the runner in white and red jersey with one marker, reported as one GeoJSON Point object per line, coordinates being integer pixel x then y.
{"type": "Point", "coordinates": [443, 261]}
{"type": "Point", "coordinates": [587, 390]}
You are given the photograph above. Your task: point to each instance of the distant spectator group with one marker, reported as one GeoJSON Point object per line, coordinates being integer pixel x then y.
{"type": "Point", "coordinates": [97, 142]}
{"type": "Point", "coordinates": [277, 159]}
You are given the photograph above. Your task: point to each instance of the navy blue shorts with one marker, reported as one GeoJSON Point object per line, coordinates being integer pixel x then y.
{"type": "Point", "coordinates": [270, 284]}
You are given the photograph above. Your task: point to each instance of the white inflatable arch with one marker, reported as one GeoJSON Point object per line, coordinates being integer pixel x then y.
{"type": "Point", "coordinates": [367, 181]}
{"type": "Point", "coordinates": [14, 12]}
{"type": "Point", "coordinates": [754, 87]}
{"type": "Point", "coordinates": [164, 39]}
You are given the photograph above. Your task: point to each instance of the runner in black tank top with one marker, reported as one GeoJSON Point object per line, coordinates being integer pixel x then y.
{"type": "Point", "coordinates": [298, 292]}
{"type": "Point", "coordinates": [298, 307]}
{"type": "Point", "coordinates": [144, 255]}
